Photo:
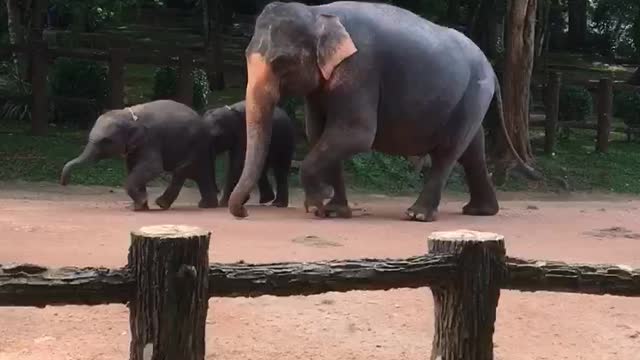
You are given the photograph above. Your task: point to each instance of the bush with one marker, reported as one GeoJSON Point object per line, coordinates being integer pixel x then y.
{"type": "Point", "coordinates": [375, 170]}
{"type": "Point", "coordinates": [626, 105]}
{"type": "Point", "coordinates": [165, 81]}
{"type": "Point", "coordinates": [12, 85]}
{"type": "Point", "coordinates": [78, 79]}
{"type": "Point", "coordinates": [575, 103]}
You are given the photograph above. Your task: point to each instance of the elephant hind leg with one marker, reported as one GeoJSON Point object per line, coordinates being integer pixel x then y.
{"type": "Point", "coordinates": [426, 206]}
{"type": "Point", "coordinates": [172, 191]}
{"type": "Point", "coordinates": [264, 186]}
{"type": "Point", "coordinates": [281, 168]}
{"type": "Point", "coordinates": [483, 199]}
{"type": "Point", "coordinates": [205, 179]}
{"type": "Point", "coordinates": [466, 144]}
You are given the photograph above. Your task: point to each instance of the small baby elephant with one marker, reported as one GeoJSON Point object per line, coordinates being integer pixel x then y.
{"type": "Point", "coordinates": [227, 128]}
{"type": "Point", "coordinates": [153, 137]}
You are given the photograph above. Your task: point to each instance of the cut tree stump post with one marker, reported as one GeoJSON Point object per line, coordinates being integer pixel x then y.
{"type": "Point", "coordinates": [185, 79]}
{"type": "Point", "coordinates": [39, 93]}
{"type": "Point", "coordinates": [116, 78]}
{"type": "Point", "coordinates": [168, 309]}
{"type": "Point", "coordinates": [605, 109]}
{"type": "Point", "coordinates": [465, 309]}
{"type": "Point", "coordinates": [552, 108]}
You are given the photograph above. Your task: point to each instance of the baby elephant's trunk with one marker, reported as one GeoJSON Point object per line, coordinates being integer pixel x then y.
{"type": "Point", "coordinates": [87, 155]}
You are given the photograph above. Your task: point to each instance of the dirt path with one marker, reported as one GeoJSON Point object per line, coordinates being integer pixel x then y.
{"type": "Point", "coordinates": [89, 226]}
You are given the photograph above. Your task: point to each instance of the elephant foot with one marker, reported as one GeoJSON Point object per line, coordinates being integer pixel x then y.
{"type": "Point", "coordinates": [315, 203]}
{"type": "Point", "coordinates": [163, 203]}
{"type": "Point", "coordinates": [281, 203]}
{"type": "Point", "coordinates": [268, 197]}
{"type": "Point", "coordinates": [208, 203]}
{"type": "Point", "coordinates": [144, 206]}
{"type": "Point", "coordinates": [487, 209]}
{"type": "Point", "coordinates": [339, 209]}
{"type": "Point", "coordinates": [420, 213]}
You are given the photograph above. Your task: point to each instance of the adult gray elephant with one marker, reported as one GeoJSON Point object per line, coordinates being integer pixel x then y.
{"type": "Point", "coordinates": [373, 76]}
{"type": "Point", "coordinates": [227, 128]}
{"type": "Point", "coordinates": [153, 137]}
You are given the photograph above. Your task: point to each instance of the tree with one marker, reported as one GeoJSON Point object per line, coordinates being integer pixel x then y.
{"type": "Point", "coordinates": [18, 14]}
{"type": "Point", "coordinates": [213, 13]}
{"type": "Point", "coordinates": [577, 23]}
{"type": "Point", "coordinates": [518, 69]}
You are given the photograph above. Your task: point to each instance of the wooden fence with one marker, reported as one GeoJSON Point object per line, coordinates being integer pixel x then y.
{"type": "Point", "coordinates": [168, 281]}
{"type": "Point", "coordinates": [603, 94]}
{"type": "Point", "coordinates": [116, 59]}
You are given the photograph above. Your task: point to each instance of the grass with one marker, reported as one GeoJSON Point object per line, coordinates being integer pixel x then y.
{"type": "Point", "coordinates": [41, 159]}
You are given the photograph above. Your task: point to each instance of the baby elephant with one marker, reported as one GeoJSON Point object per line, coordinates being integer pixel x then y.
{"type": "Point", "coordinates": [227, 129]}
{"type": "Point", "coordinates": [153, 137]}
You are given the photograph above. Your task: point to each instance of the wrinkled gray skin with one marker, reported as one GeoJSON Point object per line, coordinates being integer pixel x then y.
{"type": "Point", "coordinates": [373, 76]}
{"type": "Point", "coordinates": [166, 136]}
{"type": "Point", "coordinates": [228, 131]}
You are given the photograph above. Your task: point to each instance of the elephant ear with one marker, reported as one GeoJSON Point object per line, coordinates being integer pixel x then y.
{"type": "Point", "coordinates": [334, 44]}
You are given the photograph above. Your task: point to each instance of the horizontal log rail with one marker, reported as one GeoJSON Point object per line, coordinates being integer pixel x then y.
{"type": "Point", "coordinates": [33, 285]}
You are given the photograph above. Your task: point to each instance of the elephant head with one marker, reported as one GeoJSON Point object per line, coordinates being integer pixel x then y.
{"type": "Point", "coordinates": [293, 52]}
{"type": "Point", "coordinates": [116, 132]}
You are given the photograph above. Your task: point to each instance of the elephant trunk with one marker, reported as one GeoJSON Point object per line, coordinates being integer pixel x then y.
{"type": "Point", "coordinates": [88, 155]}
{"type": "Point", "coordinates": [261, 97]}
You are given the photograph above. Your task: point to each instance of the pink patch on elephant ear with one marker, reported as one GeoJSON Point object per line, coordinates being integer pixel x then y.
{"type": "Point", "coordinates": [334, 44]}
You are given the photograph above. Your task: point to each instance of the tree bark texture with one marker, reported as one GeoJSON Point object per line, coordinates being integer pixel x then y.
{"type": "Point", "coordinates": [168, 310]}
{"type": "Point", "coordinates": [214, 11]}
{"type": "Point", "coordinates": [552, 107]}
{"type": "Point", "coordinates": [116, 80]}
{"type": "Point", "coordinates": [39, 89]}
{"type": "Point", "coordinates": [465, 307]}
{"type": "Point", "coordinates": [517, 77]}
{"type": "Point", "coordinates": [34, 285]}
{"type": "Point", "coordinates": [16, 14]}
{"type": "Point", "coordinates": [577, 10]}
{"type": "Point", "coordinates": [185, 79]}
{"type": "Point", "coordinates": [605, 114]}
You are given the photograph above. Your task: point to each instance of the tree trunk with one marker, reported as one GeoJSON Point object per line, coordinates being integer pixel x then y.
{"type": "Point", "coordinates": [453, 11]}
{"type": "Point", "coordinates": [15, 16]}
{"type": "Point", "coordinates": [517, 78]}
{"type": "Point", "coordinates": [214, 13]}
{"type": "Point", "coordinates": [577, 23]}
{"type": "Point", "coordinates": [168, 309]}
{"type": "Point", "coordinates": [635, 78]}
{"type": "Point", "coordinates": [483, 27]}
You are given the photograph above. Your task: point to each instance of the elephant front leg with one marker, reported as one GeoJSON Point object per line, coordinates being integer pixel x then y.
{"type": "Point", "coordinates": [141, 172]}
{"type": "Point", "coordinates": [324, 162]}
{"type": "Point", "coordinates": [338, 205]}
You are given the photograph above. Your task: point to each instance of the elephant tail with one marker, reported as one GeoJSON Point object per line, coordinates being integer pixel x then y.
{"type": "Point", "coordinates": [527, 170]}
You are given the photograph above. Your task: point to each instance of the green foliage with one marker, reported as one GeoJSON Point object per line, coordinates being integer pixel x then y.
{"type": "Point", "coordinates": [575, 103]}
{"type": "Point", "coordinates": [165, 86]}
{"type": "Point", "coordinates": [626, 105]}
{"type": "Point", "coordinates": [616, 171]}
{"type": "Point", "coordinates": [376, 171]}
{"type": "Point", "coordinates": [613, 26]}
{"type": "Point", "coordinates": [11, 85]}
{"type": "Point", "coordinates": [98, 12]}
{"type": "Point", "coordinates": [78, 79]}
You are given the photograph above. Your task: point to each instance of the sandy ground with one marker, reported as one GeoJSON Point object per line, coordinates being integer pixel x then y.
{"type": "Point", "coordinates": [89, 226]}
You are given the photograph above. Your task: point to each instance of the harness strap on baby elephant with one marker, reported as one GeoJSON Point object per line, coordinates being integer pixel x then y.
{"type": "Point", "coordinates": [133, 115]}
